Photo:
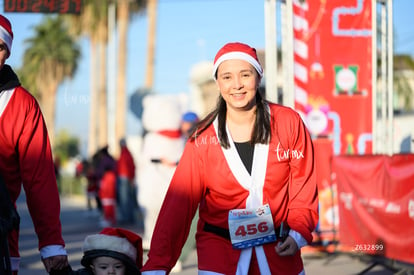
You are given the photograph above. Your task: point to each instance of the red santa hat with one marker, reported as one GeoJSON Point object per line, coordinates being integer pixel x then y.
{"type": "Point", "coordinates": [237, 50]}
{"type": "Point", "coordinates": [117, 243]}
{"type": "Point", "coordinates": [6, 33]}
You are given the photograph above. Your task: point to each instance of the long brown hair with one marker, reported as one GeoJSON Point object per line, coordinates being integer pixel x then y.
{"type": "Point", "coordinates": [261, 131]}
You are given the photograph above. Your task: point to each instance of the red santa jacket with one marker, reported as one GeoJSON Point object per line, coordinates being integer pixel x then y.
{"type": "Point", "coordinates": [125, 165]}
{"type": "Point", "coordinates": [107, 187]}
{"type": "Point", "coordinates": [26, 158]}
{"type": "Point", "coordinates": [215, 180]}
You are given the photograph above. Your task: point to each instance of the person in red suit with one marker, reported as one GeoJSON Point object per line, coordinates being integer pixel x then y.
{"type": "Point", "coordinates": [126, 188]}
{"type": "Point", "coordinates": [26, 160]}
{"type": "Point", "coordinates": [107, 195]}
{"type": "Point", "coordinates": [248, 168]}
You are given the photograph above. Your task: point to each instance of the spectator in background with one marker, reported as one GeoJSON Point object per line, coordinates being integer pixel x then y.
{"type": "Point", "coordinates": [103, 161]}
{"type": "Point", "coordinates": [26, 159]}
{"type": "Point", "coordinates": [162, 146]}
{"type": "Point", "coordinates": [86, 169]}
{"type": "Point", "coordinates": [188, 122]}
{"type": "Point", "coordinates": [126, 188]}
{"type": "Point", "coordinates": [92, 189]}
{"type": "Point", "coordinates": [107, 194]}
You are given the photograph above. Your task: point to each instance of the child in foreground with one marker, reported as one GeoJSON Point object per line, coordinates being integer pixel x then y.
{"type": "Point", "coordinates": [113, 251]}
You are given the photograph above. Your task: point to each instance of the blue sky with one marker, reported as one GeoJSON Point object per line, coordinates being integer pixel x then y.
{"type": "Point", "coordinates": [188, 32]}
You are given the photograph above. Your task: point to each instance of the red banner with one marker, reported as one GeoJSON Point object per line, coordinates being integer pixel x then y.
{"type": "Point", "coordinates": [333, 52]}
{"type": "Point", "coordinates": [328, 204]}
{"type": "Point", "coordinates": [376, 204]}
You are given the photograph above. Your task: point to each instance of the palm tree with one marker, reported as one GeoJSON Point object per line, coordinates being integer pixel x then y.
{"type": "Point", "coordinates": [51, 56]}
{"type": "Point", "coordinates": [152, 21]}
{"type": "Point", "coordinates": [402, 65]}
{"type": "Point", "coordinates": [122, 22]}
{"type": "Point", "coordinates": [92, 23]}
{"type": "Point", "coordinates": [123, 16]}
{"type": "Point", "coordinates": [102, 86]}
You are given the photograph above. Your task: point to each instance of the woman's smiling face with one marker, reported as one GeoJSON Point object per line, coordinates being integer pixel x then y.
{"type": "Point", "coordinates": [4, 53]}
{"type": "Point", "coordinates": [238, 82]}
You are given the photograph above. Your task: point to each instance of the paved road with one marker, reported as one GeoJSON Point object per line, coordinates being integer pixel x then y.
{"type": "Point", "coordinates": [77, 224]}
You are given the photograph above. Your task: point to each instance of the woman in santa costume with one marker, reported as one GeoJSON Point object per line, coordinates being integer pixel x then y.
{"type": "Point", "coordinates": [26, 159]}
{"type": "Point", "coordinates": [249, 168]}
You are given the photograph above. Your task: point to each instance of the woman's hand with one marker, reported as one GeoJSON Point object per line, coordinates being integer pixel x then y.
{"type": "Point", "coordinates": [287, 248]}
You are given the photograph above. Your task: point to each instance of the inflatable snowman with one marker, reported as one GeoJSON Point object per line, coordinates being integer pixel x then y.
{"type": "Point", "coordinates": [162, 146]}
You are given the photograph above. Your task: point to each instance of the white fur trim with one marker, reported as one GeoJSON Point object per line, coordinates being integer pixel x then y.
{"type": "Point", "coordinates": [244, 261]}
{"type": "Point", "coordinates": [108, 202]}
{"type": "Point", "coordinates": [15, 262]}
{"type": "Point", "coordinates": [52, 250]}
{"type": "Point", "coordinates": [254, 183]}
{"type": "Point", "coordinates": [299, 239]}
{"type": "Point", "coordinates": [6, 37]}
{"type": "Point", "coordinates": [113, 243]}
{"type": "Point", "coordinates": [262, 260]}
{"type": "Point", "coordinates": [238, 55]}
{"type": "Point", "coordinates": [4, 99]}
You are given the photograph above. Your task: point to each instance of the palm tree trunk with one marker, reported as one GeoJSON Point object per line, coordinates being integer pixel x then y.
{"type": "Point", "coordinates": [121, 109]}
{"type": "Point", "coordinates": [47, 102]}
{"type": "Point", "coordinates": [152, 18]}
{"type": "Point", "coordinates": [48, 107]}
{"type": "Point", "coordinates": [93, 130]}
{"type": "Point", "coordinates": [49, 111]}
{"type": "Point", "coordinates": [102, 90]}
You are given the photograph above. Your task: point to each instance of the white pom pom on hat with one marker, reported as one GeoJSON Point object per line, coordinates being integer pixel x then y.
{"type": "Point", "coordinates": [6, 33]}
{"type": "Point", "coordinates": [237, 50]}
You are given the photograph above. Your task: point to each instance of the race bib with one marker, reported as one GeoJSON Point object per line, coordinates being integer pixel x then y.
{"type": "Point", "coordinates": [251, 227]}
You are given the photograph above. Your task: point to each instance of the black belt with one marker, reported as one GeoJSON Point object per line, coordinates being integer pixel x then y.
{"type": "Point", "coordinates": [224, 233]}
{"type": "Point", "coordinates": [219, 231]}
